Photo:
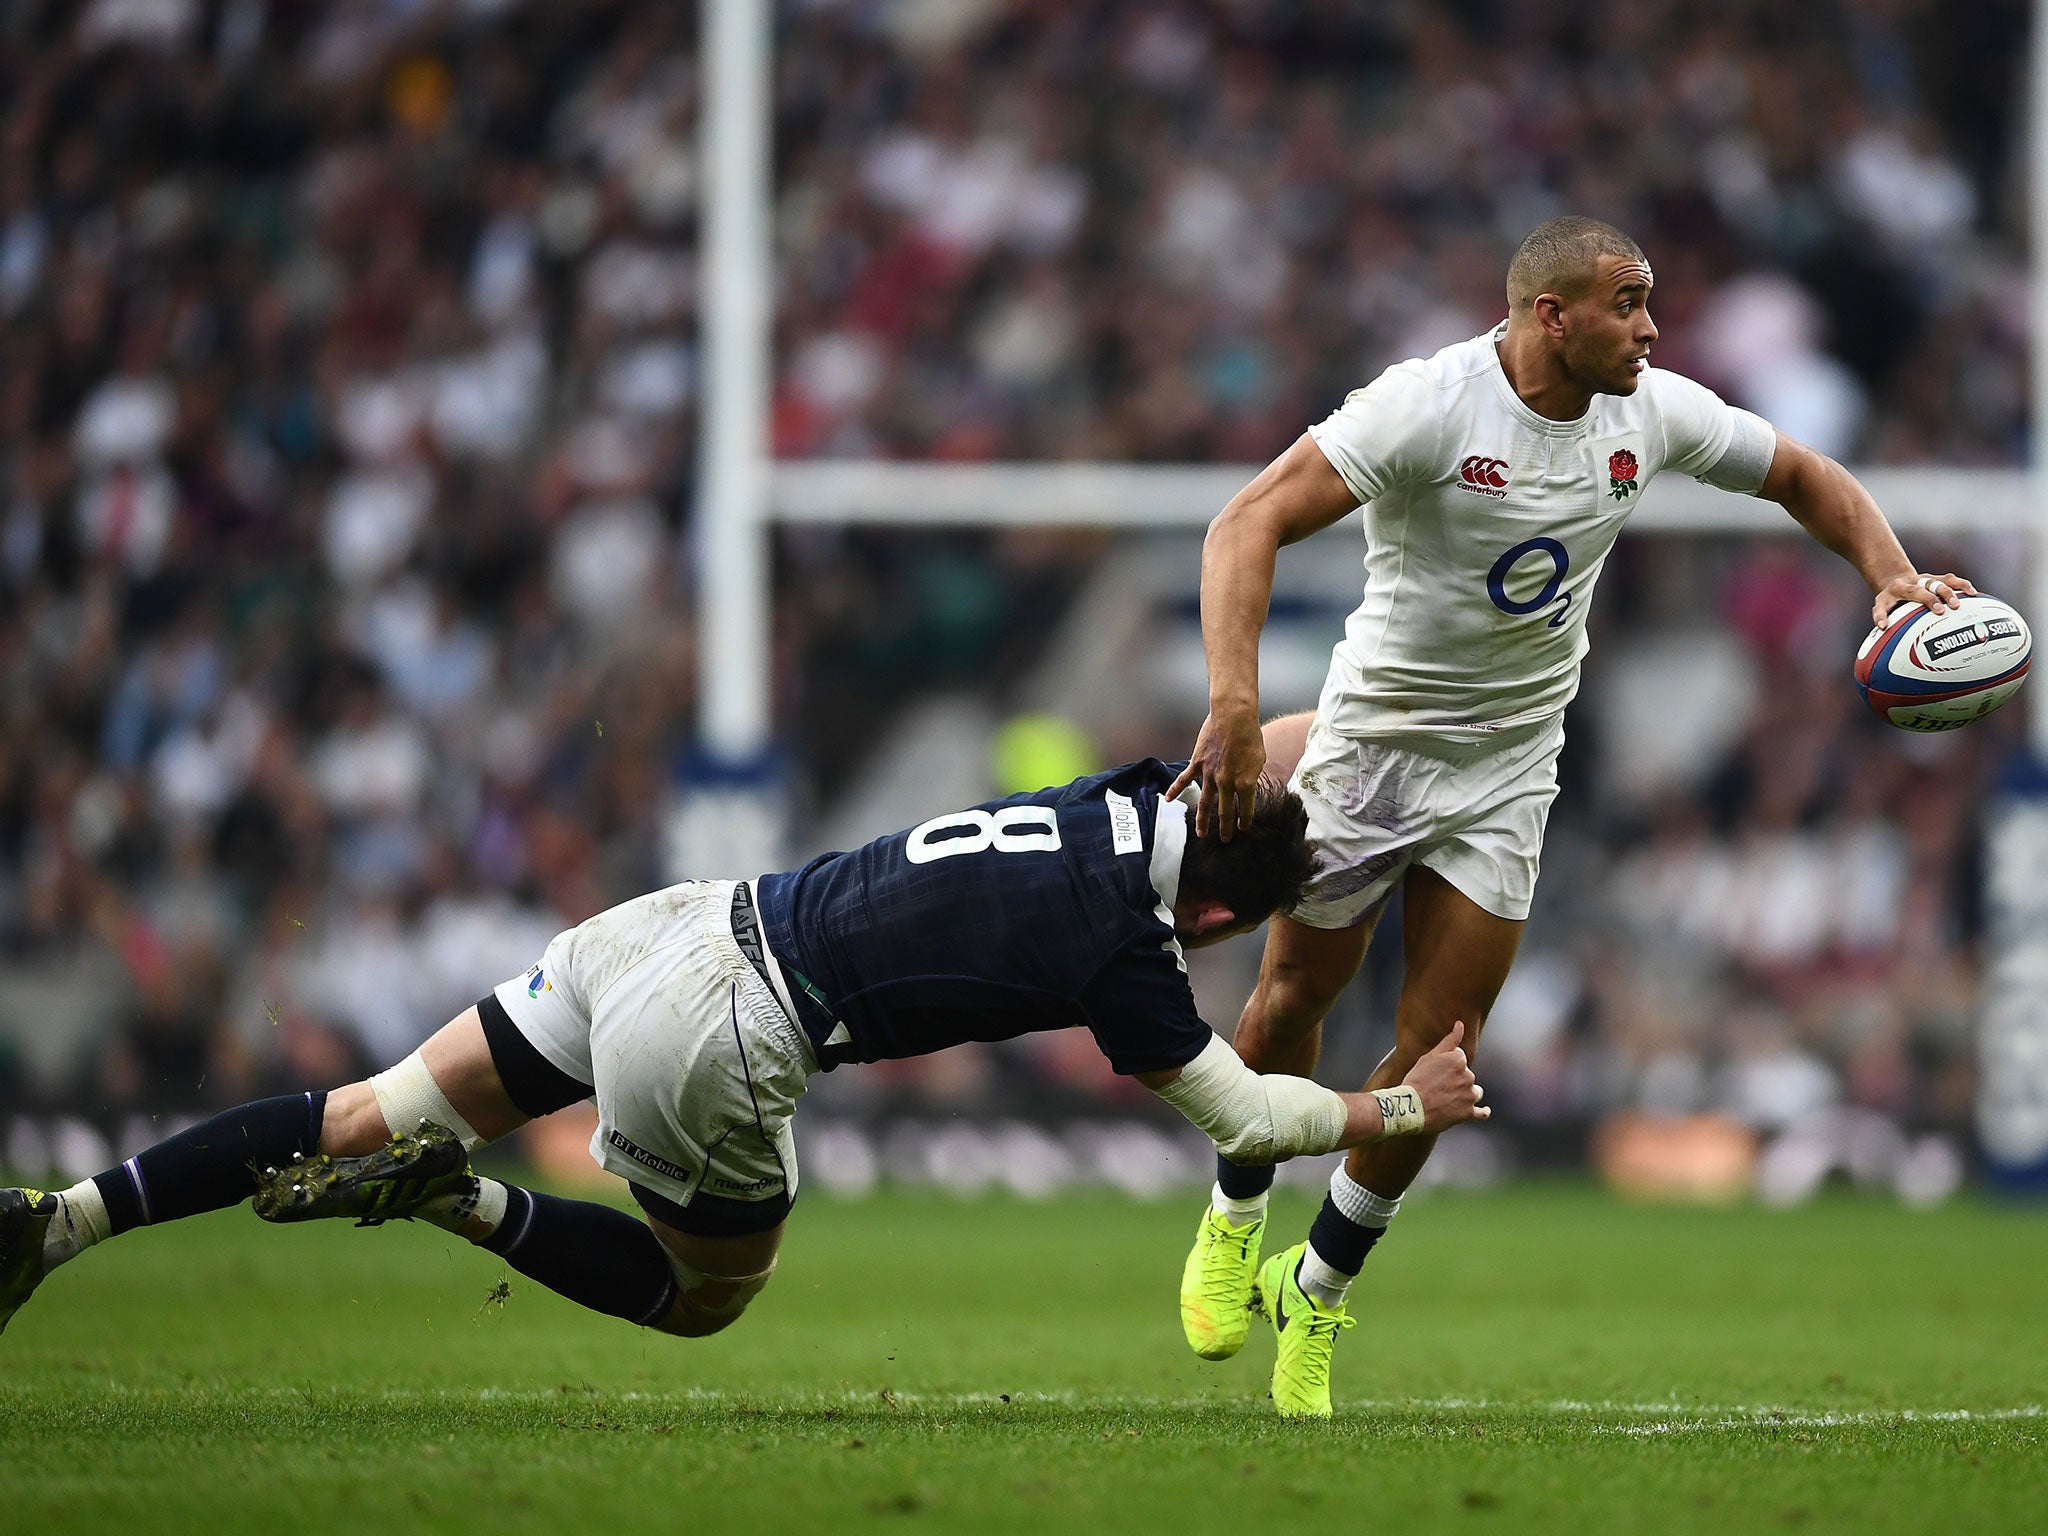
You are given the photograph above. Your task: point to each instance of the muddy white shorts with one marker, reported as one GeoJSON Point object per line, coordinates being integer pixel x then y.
{"type": "Point", "coordinates": [1473, 813]}
{"type": "Point", "coordinates": [696, 1065]}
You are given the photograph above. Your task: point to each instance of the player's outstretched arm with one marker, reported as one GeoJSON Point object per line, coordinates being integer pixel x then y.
{"type": "Point", "coordinates": [1832, 505]}
{"type": "Point", "coordinates": [1269, 1117]}
{"type": "Point", "coordinates": [1294, 496]}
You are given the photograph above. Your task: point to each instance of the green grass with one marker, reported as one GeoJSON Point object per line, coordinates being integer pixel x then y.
{"type": "Point", "coordinates": [1538, 1359]}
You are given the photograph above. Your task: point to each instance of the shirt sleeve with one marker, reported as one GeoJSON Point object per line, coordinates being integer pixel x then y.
{"type": "Point", "coordinates": [1142, 1011]}
{"type": "Point", "coordinates": [1384, 433]}
{"type": "Point", "coordinates": [1709, 439]}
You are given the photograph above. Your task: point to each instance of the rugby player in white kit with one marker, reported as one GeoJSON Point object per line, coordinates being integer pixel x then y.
{"type": "Point", "coordinates": [1496, 476]}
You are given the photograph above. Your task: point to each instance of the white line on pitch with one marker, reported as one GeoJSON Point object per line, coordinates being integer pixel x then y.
{"type": "Point", "coordinates": [1678, 1417]}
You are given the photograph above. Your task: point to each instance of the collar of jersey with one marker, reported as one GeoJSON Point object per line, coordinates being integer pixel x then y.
{"type": "Point", "coordinates": [1169, 844]}
{"type": "Point", "coordinates": [1522, 413]}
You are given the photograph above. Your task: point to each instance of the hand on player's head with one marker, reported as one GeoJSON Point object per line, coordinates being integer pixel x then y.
{"type": "Point", "coordinates": [1262, 870]}
{"type": "Point", "coordinates": [1444, 1078]}
{"type": "Point", "coordinates": [1946, 590]}
{"type": "Point", "coordinates": [1229, 755]}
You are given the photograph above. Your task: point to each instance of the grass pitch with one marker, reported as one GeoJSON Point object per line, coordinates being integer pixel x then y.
{"type": "Point", "coordinates": [1542, 1358]}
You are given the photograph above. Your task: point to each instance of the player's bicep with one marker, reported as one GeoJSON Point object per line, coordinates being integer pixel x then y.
{"type": "Point", "coordinates": [1792, 462]}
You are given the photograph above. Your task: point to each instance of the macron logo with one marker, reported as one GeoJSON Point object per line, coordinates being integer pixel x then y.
{"type": "Point", "coordinates": [1484, 477]}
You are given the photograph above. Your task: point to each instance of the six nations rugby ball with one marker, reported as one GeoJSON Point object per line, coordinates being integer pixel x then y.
{"type": "Point", "coordinates": [1933, 669]}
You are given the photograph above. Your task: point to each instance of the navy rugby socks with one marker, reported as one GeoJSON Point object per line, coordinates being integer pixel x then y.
{"type": "Point", "coordinates": [214, 1164]}
{"type": "Point", "coordinates": [596, 1256]}
{"type": "Point", "coordinates": [1352, 1219]}
{"type": "Point", "coordinates": [1243, 1181]}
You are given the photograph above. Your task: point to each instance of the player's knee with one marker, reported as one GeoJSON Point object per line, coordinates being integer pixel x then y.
{"type": "Point", "coordinates": [687, 1322]}
{"type": "Point", "coordinates": [1294, 1001]}
{"type": "Point", "coordinates": [706, 1303]}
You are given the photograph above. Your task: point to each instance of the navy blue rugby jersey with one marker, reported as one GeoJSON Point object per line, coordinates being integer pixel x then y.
{"type": "Point", "coordinates": [1042, 911]}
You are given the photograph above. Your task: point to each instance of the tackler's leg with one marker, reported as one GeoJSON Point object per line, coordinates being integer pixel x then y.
{"type": "Point", "coordinates": [211, 1166]}
{"type": "Point", "coordinates": [395, 1166]}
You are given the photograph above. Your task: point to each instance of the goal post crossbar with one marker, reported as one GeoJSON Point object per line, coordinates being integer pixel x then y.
{"type": "Point", "coordinates": [1935, 500]}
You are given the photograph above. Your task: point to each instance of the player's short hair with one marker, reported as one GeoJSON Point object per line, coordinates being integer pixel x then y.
{"type": "Point", "coordinates": [1263, 869]}
{"type": "Point", "coordinates": [1558, 257]}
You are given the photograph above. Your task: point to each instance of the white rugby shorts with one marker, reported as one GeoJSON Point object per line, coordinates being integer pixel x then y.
{"type": "Point", "coordinates": [1473, 813]}
{"type": "Point", "coordinates": [696, 1066]}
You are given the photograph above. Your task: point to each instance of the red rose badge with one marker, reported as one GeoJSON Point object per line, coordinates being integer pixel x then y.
{"type": "Point", "coordinates": [1621, 474]}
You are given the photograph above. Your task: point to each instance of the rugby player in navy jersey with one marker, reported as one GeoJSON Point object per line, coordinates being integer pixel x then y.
{"type": "Point", "coordinates": [695, 1015]}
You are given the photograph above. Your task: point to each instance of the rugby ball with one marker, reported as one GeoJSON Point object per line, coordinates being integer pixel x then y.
{"type": "Point", "coordinates": [1933, 669]}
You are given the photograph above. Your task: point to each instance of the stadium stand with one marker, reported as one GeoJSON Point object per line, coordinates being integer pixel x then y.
{"type": "Point", "coordinates": [347, 404]}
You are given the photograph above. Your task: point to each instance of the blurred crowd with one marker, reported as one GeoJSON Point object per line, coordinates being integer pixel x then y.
{"type": "Point", "coordinates": [348, 401]}
{"type": "Point", "coordinates": [1181, 230]}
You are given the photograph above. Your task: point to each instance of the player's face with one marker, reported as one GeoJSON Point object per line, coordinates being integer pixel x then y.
{"type": "Point", "coordinates": [1607, 329]}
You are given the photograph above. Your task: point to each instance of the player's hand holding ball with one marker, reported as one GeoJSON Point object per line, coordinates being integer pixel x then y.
{"type": "Point", "coordinates": [1930, 591]}
{"type": "Point", "coordinates": [1450, 1093]}
{"type": "Point", "coordinates": [1942, 654]}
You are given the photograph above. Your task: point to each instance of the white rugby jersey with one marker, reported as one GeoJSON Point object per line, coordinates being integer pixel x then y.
{"type": "Point", "coordinates": [1486, 526]}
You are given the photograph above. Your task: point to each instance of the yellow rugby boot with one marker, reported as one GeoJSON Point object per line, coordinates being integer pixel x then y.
{"type": "Point", "coordinates": [1307, 1332]}
{"type": "Point", "coordinates": [1216, 1285]}
{"type": "Point", "coordinates": [25, 1215]}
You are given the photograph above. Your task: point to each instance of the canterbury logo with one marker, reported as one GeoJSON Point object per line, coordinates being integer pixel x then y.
{"type": "Point", "coordinates": [1485, 476]}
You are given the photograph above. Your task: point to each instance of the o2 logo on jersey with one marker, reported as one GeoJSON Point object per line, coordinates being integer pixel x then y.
{"type": "Point", "coordinates": [1013, 829]}
{"type": "Point", "coordinates": [1560, 562]}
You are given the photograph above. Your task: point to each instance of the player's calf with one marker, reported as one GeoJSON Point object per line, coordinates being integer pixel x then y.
{"type": "Point", "coordinates": [207, 1168]}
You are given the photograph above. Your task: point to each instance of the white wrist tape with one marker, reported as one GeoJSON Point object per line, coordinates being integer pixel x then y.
{"type": "Point", "coordinates": [1400, 1110]}
{"type": "Point", "coordinates": [408, 1094]}
{"type": "Point", "coordinates": [1254, 1117]}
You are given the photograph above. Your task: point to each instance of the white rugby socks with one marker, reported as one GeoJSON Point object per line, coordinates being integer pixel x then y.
{"type": "Point", "coordinates": [1359, 1203]}
{"type": "Point", "coordinates": [475, 1211]}
{"type": "Point", "coordinates": [1239, 1213]}
{"type": "Point", "coordinates": [81, 1221]}
{"type": "Point", "coordinates": [1319, 1281]}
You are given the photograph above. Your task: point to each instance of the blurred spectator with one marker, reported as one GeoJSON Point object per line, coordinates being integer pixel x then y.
{"type": "Point", "coordinates": [348, 400]}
